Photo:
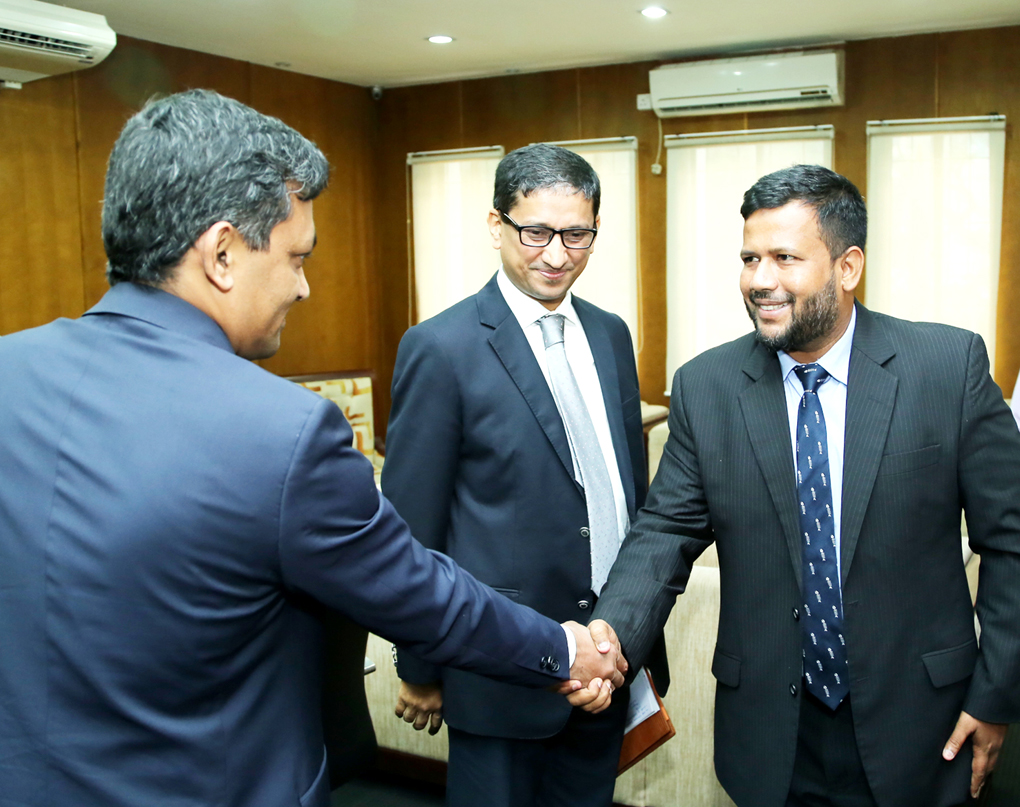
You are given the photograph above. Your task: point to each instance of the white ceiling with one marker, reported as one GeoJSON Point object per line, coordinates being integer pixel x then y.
{"type": "Point", "coordinates": [383, 42]}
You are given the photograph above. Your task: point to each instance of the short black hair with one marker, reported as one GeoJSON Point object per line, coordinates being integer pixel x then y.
{"type": "Point", "coordinates": [838, 205]}
{"type": "Point", "coordinates": [541, 166]}
{"type": "Point", "coordinates": [189, 160]}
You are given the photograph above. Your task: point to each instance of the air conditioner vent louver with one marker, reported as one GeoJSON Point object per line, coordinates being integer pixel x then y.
{"type": "Point", "coordinates": [46, 44]}
{"type": "Point", "coordinates": [38, 40]}
{"type": "Point", "coordinates": [806, 99]}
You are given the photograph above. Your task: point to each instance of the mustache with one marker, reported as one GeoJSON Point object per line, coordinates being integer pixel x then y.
{"type": "Point", "coordinates": [766, 298]}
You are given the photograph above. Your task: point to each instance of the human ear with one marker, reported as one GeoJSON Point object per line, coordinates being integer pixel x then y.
{"type": "Point", "coordinates": [495, 222]}
{"type": "Point", "coordinates": [216, 248]}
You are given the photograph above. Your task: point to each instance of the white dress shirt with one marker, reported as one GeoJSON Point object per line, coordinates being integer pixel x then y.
{"type": "Point", "coordinates": [527, 312]}
{"type": "Point", "coordinates": [832, 397]}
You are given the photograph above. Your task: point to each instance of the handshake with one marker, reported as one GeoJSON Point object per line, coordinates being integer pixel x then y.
{"type": "Point", "coordinates": [599, 668]}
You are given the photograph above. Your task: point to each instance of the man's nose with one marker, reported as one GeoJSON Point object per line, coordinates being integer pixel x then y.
{"type": "Point", "coordinates": [555, 253]}
{"type": "Point", "coordinates": [764, 275]}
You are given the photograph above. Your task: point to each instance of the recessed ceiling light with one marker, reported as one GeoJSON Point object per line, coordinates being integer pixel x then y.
{"type": "Point", "coordinates": [441, 40]}
{"type": "Point", "coordinates": [654, 12]}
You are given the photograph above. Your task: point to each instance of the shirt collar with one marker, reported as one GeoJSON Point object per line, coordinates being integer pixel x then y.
{"type": "Point", "coordinates": [836, 361]}
{"type": "Point", "coordinates": [527, 310]}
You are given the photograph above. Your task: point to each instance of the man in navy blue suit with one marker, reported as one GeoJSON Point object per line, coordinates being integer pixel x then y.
{"type": "Point", "coordinates": [515, 446]}
{"type": "Point", "coordinates": [173, 517]}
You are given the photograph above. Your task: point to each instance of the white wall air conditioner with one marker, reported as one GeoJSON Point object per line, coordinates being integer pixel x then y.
{"type": "Point", "coordinates": [41, 39]}
{"type": "Point", "coordinates": [748, 84]}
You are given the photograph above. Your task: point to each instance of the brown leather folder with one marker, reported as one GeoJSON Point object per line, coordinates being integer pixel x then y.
{"type": "Point", "coordinates": [647, 735]}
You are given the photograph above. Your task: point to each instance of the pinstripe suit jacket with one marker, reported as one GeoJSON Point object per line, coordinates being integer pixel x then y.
{"type": "Point", "coordinates": [927, 433]}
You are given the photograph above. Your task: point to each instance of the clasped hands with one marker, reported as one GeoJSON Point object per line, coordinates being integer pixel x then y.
{"type": "Point", "coordinates": [599, 667]}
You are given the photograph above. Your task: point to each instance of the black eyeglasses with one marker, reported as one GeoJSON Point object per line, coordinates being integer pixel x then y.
{"type": "Point", "coordinates": [532, 236]}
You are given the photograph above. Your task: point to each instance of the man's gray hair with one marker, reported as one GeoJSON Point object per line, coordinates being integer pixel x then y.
{"type": "Point", "coordinates": [541, 166]}
{"type": "Point", "coordinates": [192, 159]}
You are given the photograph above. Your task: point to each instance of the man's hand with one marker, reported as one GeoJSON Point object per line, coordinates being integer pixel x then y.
{"type": "Point", "coordinates": [421, 704]}
{"type": "Point", "coordinates": [598, 654]}
{"type": "Point", "coordinates": [593, 698]}
{"type": "Point", "coordinates": [987, 739]}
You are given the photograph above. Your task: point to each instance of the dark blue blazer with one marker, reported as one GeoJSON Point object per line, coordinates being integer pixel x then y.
{"type": "Point", "coordinates": [478, 463]}
{"type": "Point", "coordinates": [171, 517]}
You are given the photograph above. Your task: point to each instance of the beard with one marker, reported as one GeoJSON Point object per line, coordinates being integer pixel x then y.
{"type": "Point", "coordinates": [813, 318]}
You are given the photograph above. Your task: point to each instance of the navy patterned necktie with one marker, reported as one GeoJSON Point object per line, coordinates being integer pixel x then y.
{"type": "Point", "coordinates": [825, 664]}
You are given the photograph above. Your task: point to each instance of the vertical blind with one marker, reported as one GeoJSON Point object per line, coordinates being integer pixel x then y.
{"type": "Point", "coordinates": [935, 220]}
{"type": "Point", "coordinates": [706, 177]}
{"type": "Point", "coordinates": [451, 193]}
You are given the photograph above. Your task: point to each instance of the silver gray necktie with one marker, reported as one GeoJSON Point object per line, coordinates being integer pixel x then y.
{"type": "Point", "coordinates": [603, 530]}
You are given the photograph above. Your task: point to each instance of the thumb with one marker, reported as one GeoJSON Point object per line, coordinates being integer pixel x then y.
{"type": "Point", "coordinates": [956, 739]}
{"type": "Point", "coordinates": [603, 635]}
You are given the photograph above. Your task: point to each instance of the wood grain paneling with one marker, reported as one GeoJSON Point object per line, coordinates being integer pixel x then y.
{"type": "Point", "coordinates": [337, 327]}
{"type": "Point", "coordinates": [40, 249]}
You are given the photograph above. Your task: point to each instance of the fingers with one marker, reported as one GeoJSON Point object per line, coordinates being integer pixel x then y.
{"type": "Point", "coordinates": [603, 635]}
{"type": "Point", "coordinates": [421, 705]}
{"type": "Point", "coordinates": [964, 728]}
{"type": "Point", "coordinates": [987, 740]}
{"type": "Point", "coordinates": [589, 662]}
{"type": "Point", "coordinates": [593, 698]}
{"type": "Point", "coordinates": [567, 687]}
{"type": "Point", "coordinates": [606, 641]}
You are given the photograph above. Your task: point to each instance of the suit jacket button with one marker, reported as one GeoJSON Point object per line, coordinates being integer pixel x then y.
{"type": "Point", "coordinates": [796, 614]}
{"type": "Point", "coordinates": [554, 666]}
{"type": "Point", "coordinates": [793, 690]}
{"type": "Point", "coordinates": [585, 532]}
{"type": "Point", "coordinates": [583, 605]}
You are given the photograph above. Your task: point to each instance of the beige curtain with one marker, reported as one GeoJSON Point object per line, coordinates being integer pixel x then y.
{"type": "Point", "coordinates": [706, 178]}
{"type": "Point", "coordinates": [451, 193]}
{"type": "Point", "coordinates": [935, 221]}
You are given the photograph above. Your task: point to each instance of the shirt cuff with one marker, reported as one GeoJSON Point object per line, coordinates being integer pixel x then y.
{"type": "Point", "coordinates": [571, 645]}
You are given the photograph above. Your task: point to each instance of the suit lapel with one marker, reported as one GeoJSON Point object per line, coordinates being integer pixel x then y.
{"type": "Point", "coordinates": [512, 349]}
{"type": "Point", "coordinates": [871, 396]}
{"type": "Point", "coordinates": [768, 426]}
{"type": "Point", "coordinates": [609, 381]}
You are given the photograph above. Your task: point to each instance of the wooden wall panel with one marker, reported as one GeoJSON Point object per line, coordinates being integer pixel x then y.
{"type": "Point", "coordinates": [40, 249]}
{"type": "Point", "coordinates": [337, 327]}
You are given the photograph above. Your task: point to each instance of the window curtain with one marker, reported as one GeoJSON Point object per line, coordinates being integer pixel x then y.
{"type": "Point", "coordinates": [451, 194]}
{"type": "Point", "coordinates": [706, 177]}
{"type": "Point", "coordinates": [935, 220]}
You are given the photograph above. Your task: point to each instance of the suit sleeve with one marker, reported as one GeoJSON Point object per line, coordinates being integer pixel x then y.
{"type": "Point", "coordinates": [342, 543]}
{"type": "Point", "coordinates": [422, 449]}
{"type": "Point", "coordinates": [671, 531]}
{"type": "Point", "coordinates": [989, 478]}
